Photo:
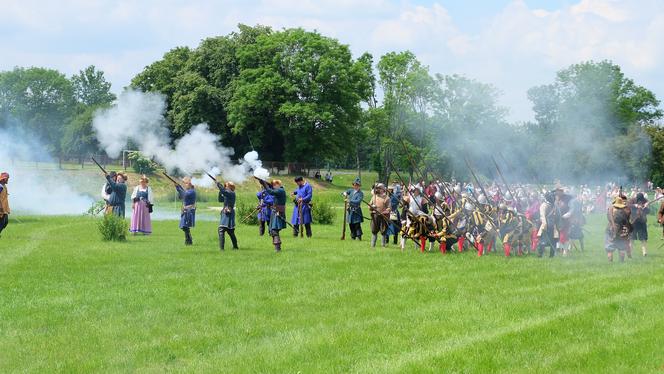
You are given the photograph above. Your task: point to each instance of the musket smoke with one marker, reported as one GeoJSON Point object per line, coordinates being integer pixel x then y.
{"type": "Point", "coordinates": [34, 191]}
{"type": "Point", "coordinates": [138, 117]}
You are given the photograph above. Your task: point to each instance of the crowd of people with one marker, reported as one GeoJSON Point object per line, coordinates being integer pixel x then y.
{"type": "Point", "coordinates": [445, 216]}
{"type": "Point", "coordinates": [529, 219]}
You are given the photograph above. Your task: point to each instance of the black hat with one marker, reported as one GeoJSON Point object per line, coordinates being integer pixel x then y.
{"type": "Point", "coordinates": [299, 179]}
{"type": "Point", "coordinates": [640, 198]}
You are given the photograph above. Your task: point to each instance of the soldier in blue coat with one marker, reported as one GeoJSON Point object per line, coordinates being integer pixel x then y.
{"type": "Point", "coordinates": [355, 216]}
{"type": "Point", "coordinates": [278, 217]}
{"type": "Point", "coordinates": [118, 194]}
{"type": "Point", "coordinates": [227, 222]}
{"type": "Point", "coordinates": [395, 218]}
{"type": "Point", "coordinates": [265, 202]}
{"type": "Point", "coordinates": [188, 216]}
{"type": "Point", "coordinates": [302, 210]}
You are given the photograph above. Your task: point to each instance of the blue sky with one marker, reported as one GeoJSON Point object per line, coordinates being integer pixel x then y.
{"type": "Point", "coordinates": [512, 44]}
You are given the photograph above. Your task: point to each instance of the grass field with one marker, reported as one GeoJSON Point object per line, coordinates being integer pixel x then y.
{"type": "Point", "coordinates": [71, 303]}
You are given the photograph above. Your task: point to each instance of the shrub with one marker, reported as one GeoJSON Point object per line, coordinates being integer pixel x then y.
{"type": "Point", "coordinates": [323, 213]}
{"type": "Point", "coordinates": [140, 164]}
{"type": "Point", "coordinates": [113, 228]}
{"type": "Point", "coordinates": [96, 208]}
{"type": "Point", "coordinates": [242, 211]}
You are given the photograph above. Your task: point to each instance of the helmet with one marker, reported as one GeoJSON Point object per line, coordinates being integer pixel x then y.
{"type": "Point", "coordinates": [468, 206]}
{"type": "Point", "coordinates": [481, 199]}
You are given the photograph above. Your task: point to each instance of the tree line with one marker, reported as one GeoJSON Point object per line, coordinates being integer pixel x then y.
{"type": "Point", "coordinates": [296, 95]}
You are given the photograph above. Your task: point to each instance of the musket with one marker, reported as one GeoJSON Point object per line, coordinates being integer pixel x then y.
{"type": "Point", "coordinates": [251, 214]}
{"type": "Point", "coordinates": [263, 182]}
{"type": "Point", "coordinates": [171, 179]}
{"type": "Point", "coordinates": [101, 167]}
{"type": "Point", "coordinates": [211, 177]}
{"type": "Point", "coordinates": [502, 177]}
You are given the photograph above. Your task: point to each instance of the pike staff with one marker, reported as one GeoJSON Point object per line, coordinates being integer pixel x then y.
{"type": "Point", "coordinates": [502, 177]}
{"type": "Point", "coordinates": [343, 232]}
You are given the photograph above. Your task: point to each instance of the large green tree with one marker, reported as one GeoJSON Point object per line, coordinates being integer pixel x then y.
{"type": "Point", "coordinates": [91, 88]}
{"type": "Point", "coordinates": [589, 123]}
{"type": "Point", "coordinates": [40, 101]}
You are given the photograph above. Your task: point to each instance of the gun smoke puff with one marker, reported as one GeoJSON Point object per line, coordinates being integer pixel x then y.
{"type": "Point", "coordinates": [34, 191]}
{"type": "Point", "coordinates": [138, 117]}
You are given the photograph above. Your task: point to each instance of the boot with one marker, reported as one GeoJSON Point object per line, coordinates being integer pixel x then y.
{"type": "Point", "coordinates": [296, 230]}
{"type": "Point", "coordinates": [222, 238]}
{"type": "Point", "coordinates": [231, 233]}
{"type": "Point", "coordinates": [384, 241]}
{"type": "Point", "coordinates": [508, 249]}
{"type": "Point", "coordinates": [261, 228]}
{"type": "Point", "coordinates": [374, 237]}
{"type": "Point", "coordinates": [307, 227]}
{"type": "Point", "coordinates": [188, 240]}
{"type": "Point", "coordinates": [394, 240]}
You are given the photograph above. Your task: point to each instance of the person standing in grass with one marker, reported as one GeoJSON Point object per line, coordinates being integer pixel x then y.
{"type": "Point", "coordinates": [142, 206]}
{"type": "Point", "coordinates": [380, 213]}
{"type": "Point", "coordinates": [355, 216]}
{"type": "Point", "coordinates": [106, 193]}
{"type": "Point", "coordinates": [278, 217]}
{"type": "Point", "coordinates": [188, 216]}
{"type": "Point", "coordinates": [618, 229]}
{"type": "Point", "coordinates": [639, 211]}
{"type": "Point", "coordinates": [302, 210]}
{"type": "Point", "coordinates": [118, 188]}
{"type": "Point", "coordinates": [265, 202]}
{"type": "Point", "coordinates": [4, 201]}
{"type": "Point", "coordinates": [227, 222]}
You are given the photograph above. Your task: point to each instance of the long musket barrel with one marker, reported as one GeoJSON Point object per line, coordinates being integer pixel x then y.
{"type": "Point", "coordinates": [211, 177]}
{"type": "Point", "coordinates": [101, 167]}
{"type": "Point", "coordinates": [171, 179]}
{"type": "Point", "coordinates": [343, 231]}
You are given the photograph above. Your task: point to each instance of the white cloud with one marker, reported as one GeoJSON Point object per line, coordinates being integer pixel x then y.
{"type": "Point", "coordinates": [517, 48]}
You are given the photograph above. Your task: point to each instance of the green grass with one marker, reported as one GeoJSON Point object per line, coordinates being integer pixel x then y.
{"type": "Point", "coordinates": [71, 303]}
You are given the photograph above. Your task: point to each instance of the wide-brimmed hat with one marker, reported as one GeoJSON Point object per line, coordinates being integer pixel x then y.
{"type": "Point", "coordinates": [357, 181]}
{"type": "Point", "coordinates": [619, 203]}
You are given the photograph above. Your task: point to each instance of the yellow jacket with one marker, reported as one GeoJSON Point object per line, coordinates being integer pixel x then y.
{"type": "Point", "coordinates": [4, 200]}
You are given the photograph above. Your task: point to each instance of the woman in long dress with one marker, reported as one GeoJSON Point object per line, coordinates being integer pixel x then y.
{"type": "Point", "coordinates": [142, 200]}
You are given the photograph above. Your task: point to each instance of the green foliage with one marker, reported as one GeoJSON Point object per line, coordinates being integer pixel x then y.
{"type": "Point", "coordinates": [40, 100]}
{"type": "Point", "coordinates": [79, 137]}
{"type": "Point", "coordinates": [96, 208]}
{"type": "Point", "coordinates": [113, 228]}
{"type": "Point", "coordinates": [323, 213]}
{"type": "Point", "coordinates": [141, 164]}
{"type": "Point", "coordinates": [91, 88]}
{"type": "Point", "coordinates": [244, 210]}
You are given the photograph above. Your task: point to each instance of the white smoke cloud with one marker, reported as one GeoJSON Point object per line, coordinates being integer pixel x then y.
{"type": "Point", "coordinates": [138, 118]}
{"type": "Point", "coordinates": [34, 191]}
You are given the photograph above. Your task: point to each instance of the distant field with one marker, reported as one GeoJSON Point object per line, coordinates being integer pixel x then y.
{"type": "Point", "coordinates": [71, 303]}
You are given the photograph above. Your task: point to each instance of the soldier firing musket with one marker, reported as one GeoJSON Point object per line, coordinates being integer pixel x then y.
{"type": "Point", "coordinates": [116, 189]}
{"type": "Point", "coordinates": [187, 193]}
{"type": "Point", "coordinates": [227, 214]}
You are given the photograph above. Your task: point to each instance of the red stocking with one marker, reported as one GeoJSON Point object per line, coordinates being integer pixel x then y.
{"type": "Point", "coordinates": [423, 242]}
{"type": "Point", "coordinates": [443, 246]}
{"type": "Point", "coordinates": [461, 240]}
{"type": "Point", "coordinates": [488, 247]}
{"type": "Point", "coordinates": [508, 248]}
{"type": "Point", "coordinates": [480, 249]}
